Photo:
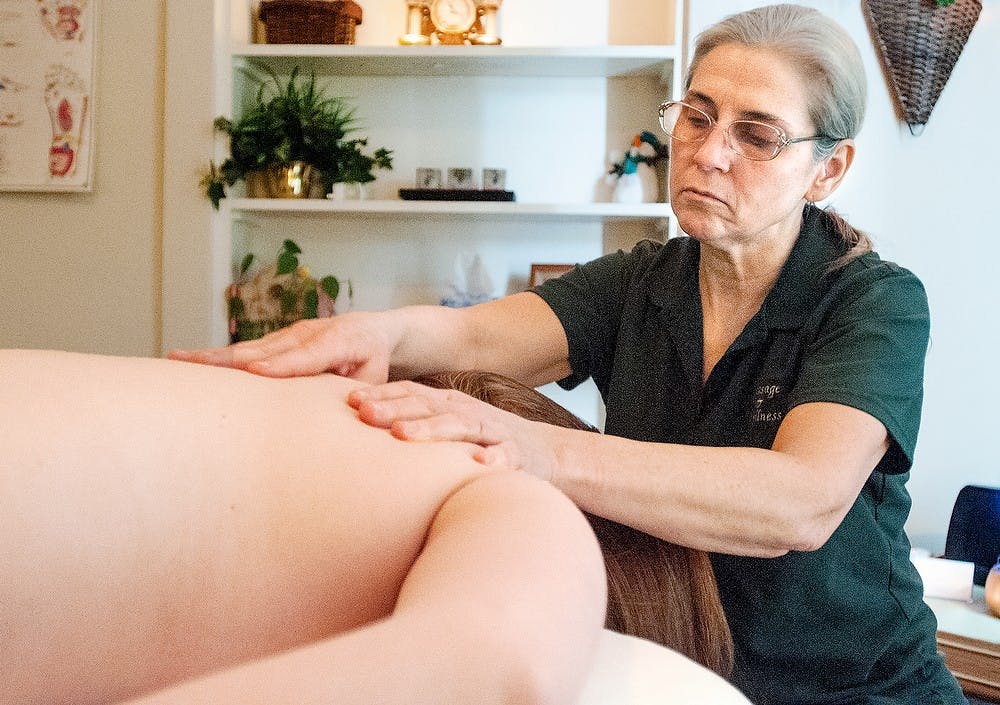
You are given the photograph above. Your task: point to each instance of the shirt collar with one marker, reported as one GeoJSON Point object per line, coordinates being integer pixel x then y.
{"type": "Point", "coordinates": [800, 285]}
{"type": "Point", "coordinates": [673, 282]}
{"type": "Point", "coordinates": [673, 279]}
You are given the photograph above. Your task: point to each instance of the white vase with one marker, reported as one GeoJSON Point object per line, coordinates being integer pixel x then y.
{"type": "Point", "coordinates": [343, 191]}
{"type": "Point", "coordinates": [638, 187]}
{"type": "Point", "coordinates": [628, 189]}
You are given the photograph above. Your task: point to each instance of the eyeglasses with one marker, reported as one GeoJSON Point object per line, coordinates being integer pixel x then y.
{"type": "Point", "coordinates": [748, 138]}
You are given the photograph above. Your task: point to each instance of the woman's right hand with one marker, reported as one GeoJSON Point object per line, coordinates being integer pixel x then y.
{"type": "Point", "coordinates": [351, 345]}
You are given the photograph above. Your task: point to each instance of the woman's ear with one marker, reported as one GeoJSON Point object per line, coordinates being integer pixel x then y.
{"type": "Point", "coordinates": [831, 172]}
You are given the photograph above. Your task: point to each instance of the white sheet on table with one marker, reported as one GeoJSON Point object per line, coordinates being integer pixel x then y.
{"type": "Point", "coordinates": [632, 671]}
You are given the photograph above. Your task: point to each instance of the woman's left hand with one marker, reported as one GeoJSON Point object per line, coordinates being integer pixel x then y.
{"type": "Point", "coordinates": [414, 412]}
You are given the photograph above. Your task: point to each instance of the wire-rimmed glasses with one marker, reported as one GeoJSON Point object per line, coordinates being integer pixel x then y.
{"type": "Point", "coordinates": [748, 138]}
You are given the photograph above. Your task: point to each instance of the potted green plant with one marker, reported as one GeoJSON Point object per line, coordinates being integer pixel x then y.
{"type": "Point", "coordinates": [291, 134]}
{"type": "Point", "coordinates": [278, 295]}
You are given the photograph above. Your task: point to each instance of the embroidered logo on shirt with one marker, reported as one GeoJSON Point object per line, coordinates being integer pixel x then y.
{"type": "Point", "coordinates": [768, 402]}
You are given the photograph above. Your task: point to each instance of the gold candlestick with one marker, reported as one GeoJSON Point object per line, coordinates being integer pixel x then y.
{"type": "Point", "coordinates": [418, 23]}
{"type": "Point", "coordinates": [488, 34]}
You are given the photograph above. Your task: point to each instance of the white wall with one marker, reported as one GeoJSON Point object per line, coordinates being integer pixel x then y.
{"type": "Point", "coordinates": [927, 202]}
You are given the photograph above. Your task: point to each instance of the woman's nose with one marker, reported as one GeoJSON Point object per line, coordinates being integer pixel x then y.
{"type": "Point", "coordinates": [715, 152]}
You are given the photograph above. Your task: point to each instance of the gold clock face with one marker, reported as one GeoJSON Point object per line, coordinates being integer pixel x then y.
{"type": "Point", "coordinates": [453, 15]}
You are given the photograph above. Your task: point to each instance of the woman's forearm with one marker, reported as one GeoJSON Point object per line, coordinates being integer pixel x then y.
{"type": "Point", "coordinates": [518, 336]}
{"type": "Point", "coordinates": [423, 339]}
{"type": "Point", "coordinates": [746, 501]}
{"type": "Point", "coordinates": [671, 491]}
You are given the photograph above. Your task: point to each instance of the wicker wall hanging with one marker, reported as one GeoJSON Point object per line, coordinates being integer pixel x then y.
{"type": "Point", "coordinates": [918, 42]}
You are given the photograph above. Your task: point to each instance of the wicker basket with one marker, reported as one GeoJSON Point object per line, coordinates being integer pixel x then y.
{"type": "Point", "coordinates": [310, 21]}
{"type": "Point", "coordinates": [919, 44]}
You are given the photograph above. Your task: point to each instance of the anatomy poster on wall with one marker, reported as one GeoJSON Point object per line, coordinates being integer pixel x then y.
{"type": "Point", "coordinates": [46, 94]}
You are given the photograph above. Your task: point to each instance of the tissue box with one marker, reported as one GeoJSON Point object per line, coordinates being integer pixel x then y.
{"type": "Point", "coordinates": [945, 578]}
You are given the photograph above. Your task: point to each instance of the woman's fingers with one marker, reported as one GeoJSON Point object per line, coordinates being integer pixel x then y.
{"type": "Point", "coordinates": [381, 392]}
{"type": "Point", "coordinates": [305, 348]}
{"type": "Point", "coordinates": [449, 426]}
{"type": "Point", "coordinates": [384, 412]}
{"type": "Point", "coordinates": [343, 345]}
{"type": "Point", "coordinates": [217, 357]}
{"type": "Point", "coordinates": [248, 353]}
{"type": "Point", "coordinates": [299, 349]}
{"type": "Point", "coordinates": [502, 455]}
{"type": "Point", "coordinates": [415, 412]}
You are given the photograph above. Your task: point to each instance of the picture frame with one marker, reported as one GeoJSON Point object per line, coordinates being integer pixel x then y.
{"type": "Point", "coordinates": [47, 98]}
{"type": "Point", "coordinates": [540, 273]}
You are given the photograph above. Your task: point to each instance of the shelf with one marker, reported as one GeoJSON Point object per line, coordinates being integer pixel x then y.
{"type": "Point", "coordinates": [397, 249]}
{"type": "Point", "coordinates": [493, 209]}
{"type": "Point", "coordinates": [566, 62]}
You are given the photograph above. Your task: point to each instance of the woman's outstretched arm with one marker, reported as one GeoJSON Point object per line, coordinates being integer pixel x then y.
{"type": "Point", "coordinates": [164, 524]}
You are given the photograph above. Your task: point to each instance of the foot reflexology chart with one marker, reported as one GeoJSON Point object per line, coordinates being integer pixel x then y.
{"type": "Point", "coordinates": [46, 94]}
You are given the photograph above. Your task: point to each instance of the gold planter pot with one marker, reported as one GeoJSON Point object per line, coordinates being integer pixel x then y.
{"type": "Point", "coordinates": [295, 181]}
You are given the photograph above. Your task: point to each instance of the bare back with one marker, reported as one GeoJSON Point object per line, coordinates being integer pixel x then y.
{"type": "Point", "coordinates": [250, 514]}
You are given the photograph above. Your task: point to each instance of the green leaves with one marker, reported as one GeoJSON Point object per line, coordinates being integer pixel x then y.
{"type": "Point", "coordinates": [310, 303]}
{"type": "Point", "coordinates": [356, 167]}
{"type": "Point", "coordinates": [288, 121]}
{"type": "Point", "coordinates": [216, 191]}
{"type": "Point", "coordinates": [214, 184]}
{"type": "Point", "coordinates": [295, 292]}
{"type": "Point", "coordinates": [288, 260]}
{"type": "Point", "coordinates": [245, 264]}
{"type": "Point", "coordinates": [331, 285]}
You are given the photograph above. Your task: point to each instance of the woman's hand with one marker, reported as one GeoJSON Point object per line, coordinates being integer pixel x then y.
{"type": "Point", "coordinates": [353, 345]}
{"type": "Point", "coordinates": [414, 412]}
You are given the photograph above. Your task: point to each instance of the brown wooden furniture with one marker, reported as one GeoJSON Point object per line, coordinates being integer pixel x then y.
{"type": "Point", "coordinates": [969, 638]}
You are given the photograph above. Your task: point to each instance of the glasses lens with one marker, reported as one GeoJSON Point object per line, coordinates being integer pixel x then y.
{"type": "Point", "coordinates": [684, 123]}
{"type": "Point", "coordinates": [755, 140]}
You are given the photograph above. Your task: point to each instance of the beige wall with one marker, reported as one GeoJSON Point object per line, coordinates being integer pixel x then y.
{"type": "Point", "coordinates": [82, 271]}
{"type": "Point", "coordinates": [190, 105]}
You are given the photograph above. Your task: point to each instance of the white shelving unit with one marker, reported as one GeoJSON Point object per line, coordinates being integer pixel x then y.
{"type": "Point", "coordinates": [551, 115]}
{"type": "Point", "coordinates": [565, 62]}
{"type": "Point", "coordinates": [459, 209]}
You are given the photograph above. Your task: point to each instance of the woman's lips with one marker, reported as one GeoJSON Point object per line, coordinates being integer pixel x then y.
{"type": "Point", "coordinates": [703, 195]}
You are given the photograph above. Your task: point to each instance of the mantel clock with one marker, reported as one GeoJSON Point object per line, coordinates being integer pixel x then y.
{"type": "Point", "coordinates": [451, 22]}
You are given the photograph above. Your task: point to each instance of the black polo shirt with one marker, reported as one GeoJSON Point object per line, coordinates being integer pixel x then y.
{"type": "Point", "coordinates": [835, 625]}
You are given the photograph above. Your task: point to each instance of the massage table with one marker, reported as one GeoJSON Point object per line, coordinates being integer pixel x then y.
{"type": "Point", "coordinates": [633, 671]}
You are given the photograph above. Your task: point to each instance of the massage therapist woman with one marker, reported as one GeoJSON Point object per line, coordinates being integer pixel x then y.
{"type": "Point", "coordinates": [762, 375]}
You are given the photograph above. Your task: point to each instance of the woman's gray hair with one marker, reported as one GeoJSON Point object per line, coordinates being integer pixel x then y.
{"type": "Point", "coordinates": [827, 59]}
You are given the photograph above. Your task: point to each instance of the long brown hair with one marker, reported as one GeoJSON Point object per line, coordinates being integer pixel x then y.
{"type": "Point", "coordinates": [656, 590]}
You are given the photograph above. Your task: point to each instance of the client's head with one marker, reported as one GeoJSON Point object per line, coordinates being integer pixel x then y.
{"type": "Point", "coordinates": [656, 590]}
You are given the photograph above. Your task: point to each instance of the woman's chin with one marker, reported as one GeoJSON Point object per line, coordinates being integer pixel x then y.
{"type": "Point", "coordinates": [700, 226]}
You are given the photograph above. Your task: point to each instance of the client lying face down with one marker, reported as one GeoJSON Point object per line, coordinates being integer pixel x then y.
{"type": "Point", "coordinates": [176, 533]}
